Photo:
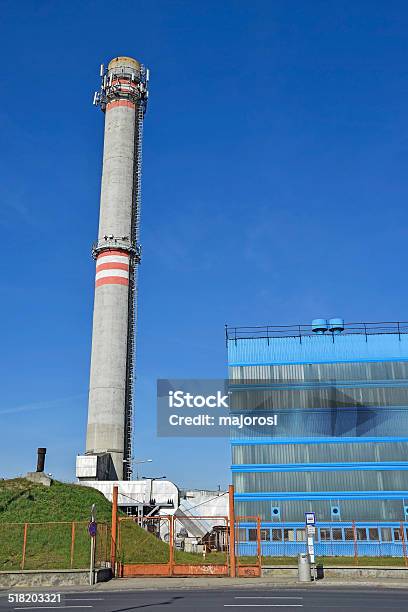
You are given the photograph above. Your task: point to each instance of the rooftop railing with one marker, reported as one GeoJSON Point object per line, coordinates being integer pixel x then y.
{"type": "Point", "coordinates": [301, 330]}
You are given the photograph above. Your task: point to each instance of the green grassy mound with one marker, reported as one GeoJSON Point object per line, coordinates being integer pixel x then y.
{"type": "Point", "coordinates": [50, 512]}
{"type": "Point", "coordinates": [22, 501]}
{"type": "Point", "coordinates": [49, 543]}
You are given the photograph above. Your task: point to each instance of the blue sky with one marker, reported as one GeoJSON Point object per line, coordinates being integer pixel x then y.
{"type": "Point", "coordinates": [274, 191]}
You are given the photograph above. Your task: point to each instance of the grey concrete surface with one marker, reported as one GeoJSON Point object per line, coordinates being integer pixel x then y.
{"type": "Point", "coordinates": [50, 578]}
{"type": "Point", "coordinates": [39, 478]}
{"type": "Point", "coordinates": [350, 599]}
{"type": "Point", "coordinates": [346, 572]}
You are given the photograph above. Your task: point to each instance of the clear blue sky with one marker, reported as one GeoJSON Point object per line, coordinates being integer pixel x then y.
{"type": "Point", "coordinates": [275, 189]}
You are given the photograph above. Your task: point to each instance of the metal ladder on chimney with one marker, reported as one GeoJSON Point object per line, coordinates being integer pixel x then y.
{"type": "Point", "coordinates": [132, 303]}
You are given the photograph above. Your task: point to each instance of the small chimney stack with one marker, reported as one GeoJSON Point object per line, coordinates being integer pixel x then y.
{"type": "Point", "coordinates": [41, 452]}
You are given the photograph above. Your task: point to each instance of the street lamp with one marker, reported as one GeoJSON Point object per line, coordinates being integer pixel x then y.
{"type": "Point", "coordinates": [138, 462]}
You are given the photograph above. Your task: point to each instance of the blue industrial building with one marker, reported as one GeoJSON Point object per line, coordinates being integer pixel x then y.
{"type": "Point", "coordinates": [340, 445]}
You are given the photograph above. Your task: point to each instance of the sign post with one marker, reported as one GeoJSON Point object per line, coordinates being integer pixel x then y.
{"type": "Point", "coordinates": [310, 521]}
{"type": "Point", "coordinates": [92, 530]}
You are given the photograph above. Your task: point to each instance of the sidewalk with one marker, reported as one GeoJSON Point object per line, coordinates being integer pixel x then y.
{"type": "Point", "coordinates": [266, 582]}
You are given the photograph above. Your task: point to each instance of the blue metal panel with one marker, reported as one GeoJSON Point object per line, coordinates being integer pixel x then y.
{"type": "Point", "coordinates": [322, 467]}
{"type": "Point", "coordinates": [248, 441]}
{"type": "Point", "coordinates": [318, 349]}
{"type": "Point", "coordinates": [327, 495]}
{"type": "Point", "coordinates": [321, 384]}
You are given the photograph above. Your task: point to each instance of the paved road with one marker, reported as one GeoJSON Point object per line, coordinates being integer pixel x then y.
{"type": "Point", "coordinates": [350, 600]}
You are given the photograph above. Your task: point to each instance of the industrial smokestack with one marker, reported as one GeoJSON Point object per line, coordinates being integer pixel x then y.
{"type": "Point", "coordinates": [123, 98]}
{"type": "Point", "coordinates": [41, 452]}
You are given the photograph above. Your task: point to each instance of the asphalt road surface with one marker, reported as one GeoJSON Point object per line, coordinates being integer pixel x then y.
{"type": "Point", "coordinates": [198, 600]}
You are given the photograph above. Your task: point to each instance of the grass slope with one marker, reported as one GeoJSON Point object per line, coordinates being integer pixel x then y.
{"type": "Point", "coordinates": [22, 501]}
{"type": "Point", "coordinates": [49, 545]}
{"type": "Point", "coordinates": [49, 542]}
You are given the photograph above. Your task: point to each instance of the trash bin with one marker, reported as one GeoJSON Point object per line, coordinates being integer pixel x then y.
{"type": "Point", "coordinates": [304, 574]}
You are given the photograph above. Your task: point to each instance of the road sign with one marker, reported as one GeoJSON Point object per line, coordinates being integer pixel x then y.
{"type": "Point", "coordinates": [92, 527]}
{"type": "Point", "coordinates": [310, 518]}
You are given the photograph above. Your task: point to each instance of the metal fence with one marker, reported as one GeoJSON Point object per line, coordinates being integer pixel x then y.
{"type": "Point", "coordinates": [190, 545]}
{"type": "Point", "coordinates": [52, 545]}
{"type": "Point", "coordinates": [302, 330]}
{"type": "Point", "coordinates": [356, 541]}
{"type": "Point", "coordinates": [248, 545]}
{"type": "Point", "coordinates": [179, 545]}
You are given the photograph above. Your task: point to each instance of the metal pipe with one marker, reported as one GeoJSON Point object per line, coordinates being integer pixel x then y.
{"type": "Point", "coordinates": [232, 531]}
{"type": "Point", "coordinates": [114, 527]}
{"type": "Point", "coordinates": [41, 452]}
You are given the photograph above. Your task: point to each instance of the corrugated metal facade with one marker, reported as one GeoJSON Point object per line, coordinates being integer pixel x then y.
{"type": "Point", "coordinates": [318, 349]}
{"type": "Point", "coordinates": [313, 453]}
{"type": "Point", "coordinates": [342, 435]}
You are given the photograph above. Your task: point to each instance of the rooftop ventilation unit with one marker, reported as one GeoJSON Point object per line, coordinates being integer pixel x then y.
{"type": "Point", "coordinates": [319, 326]}
{"type": "Point", "coordinates": [336, 326]}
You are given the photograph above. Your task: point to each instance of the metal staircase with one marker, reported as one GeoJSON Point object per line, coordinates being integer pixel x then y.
{"type": "Point", "coordinates": [132, 304]}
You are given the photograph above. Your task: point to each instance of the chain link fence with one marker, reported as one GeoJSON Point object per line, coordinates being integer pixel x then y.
{"type": "Point", "coordinates": [353, 542]}
{"type": "Point", "coordinates": [58, 545]}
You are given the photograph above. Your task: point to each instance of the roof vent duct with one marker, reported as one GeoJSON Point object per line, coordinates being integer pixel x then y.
{"type": "Point", "coordinates": [319, 326]}
{"type": "Point", "coordinates": [336, 326]}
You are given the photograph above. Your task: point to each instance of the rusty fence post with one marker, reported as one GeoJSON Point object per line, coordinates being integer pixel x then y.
{"type": "Point", "coordinates": [171, 543]}
{"type": "Point", "coordinates": [106, 541]}
{"type": "Point", "coordinates": [404, 545]}
{"type": "Point", "coordinates": [72, 543]}
{"type": "Point", "coordinates": [114, 528]}
{"type": "Point", "coordinates": [258, 544]}
{"type": "Point", "coordinates": [24, 545]}
{"type": "Point", "coordinates": [232, 531]}
{"type": "Point", "coordinates": [355, 542]}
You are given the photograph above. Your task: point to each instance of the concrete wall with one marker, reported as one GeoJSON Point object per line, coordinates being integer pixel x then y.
{"type": "Point", "coordinates": [49, 578]}
{"type": "Point", "coordinates": [348, 573]}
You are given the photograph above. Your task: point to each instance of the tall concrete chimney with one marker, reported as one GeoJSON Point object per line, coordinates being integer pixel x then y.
{"type": "Point", "coordinates": [123, 99]}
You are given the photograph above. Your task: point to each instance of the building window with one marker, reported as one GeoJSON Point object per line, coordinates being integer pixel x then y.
{"type": "Point", "coordinates": [373, 534]}
{"type": "Point", "coordinates": [252, 536]}
{"type": "Point", "coordinates": [361, 533]}
{"type": "Point", "coordinates": [276, 535]}
{"type": "Point", "coordinates": [242, 535]}
{"type": "Point", "coordinates": [300, 535]}
{"type": "Point", "coordinates": [337, 534]}
{"type": "Point", "coordinates": [397, 534]}
{"type": "Point", "coordinates": [349, 534]}
{"type": "Point", "coordinates": [289, 535]}
{"type": "Point", "coordinates": [386, 534]}
{"type": "Point", "coordinates": [265, 535]}
{"type": "Point", "coordinates": [324, 534]}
